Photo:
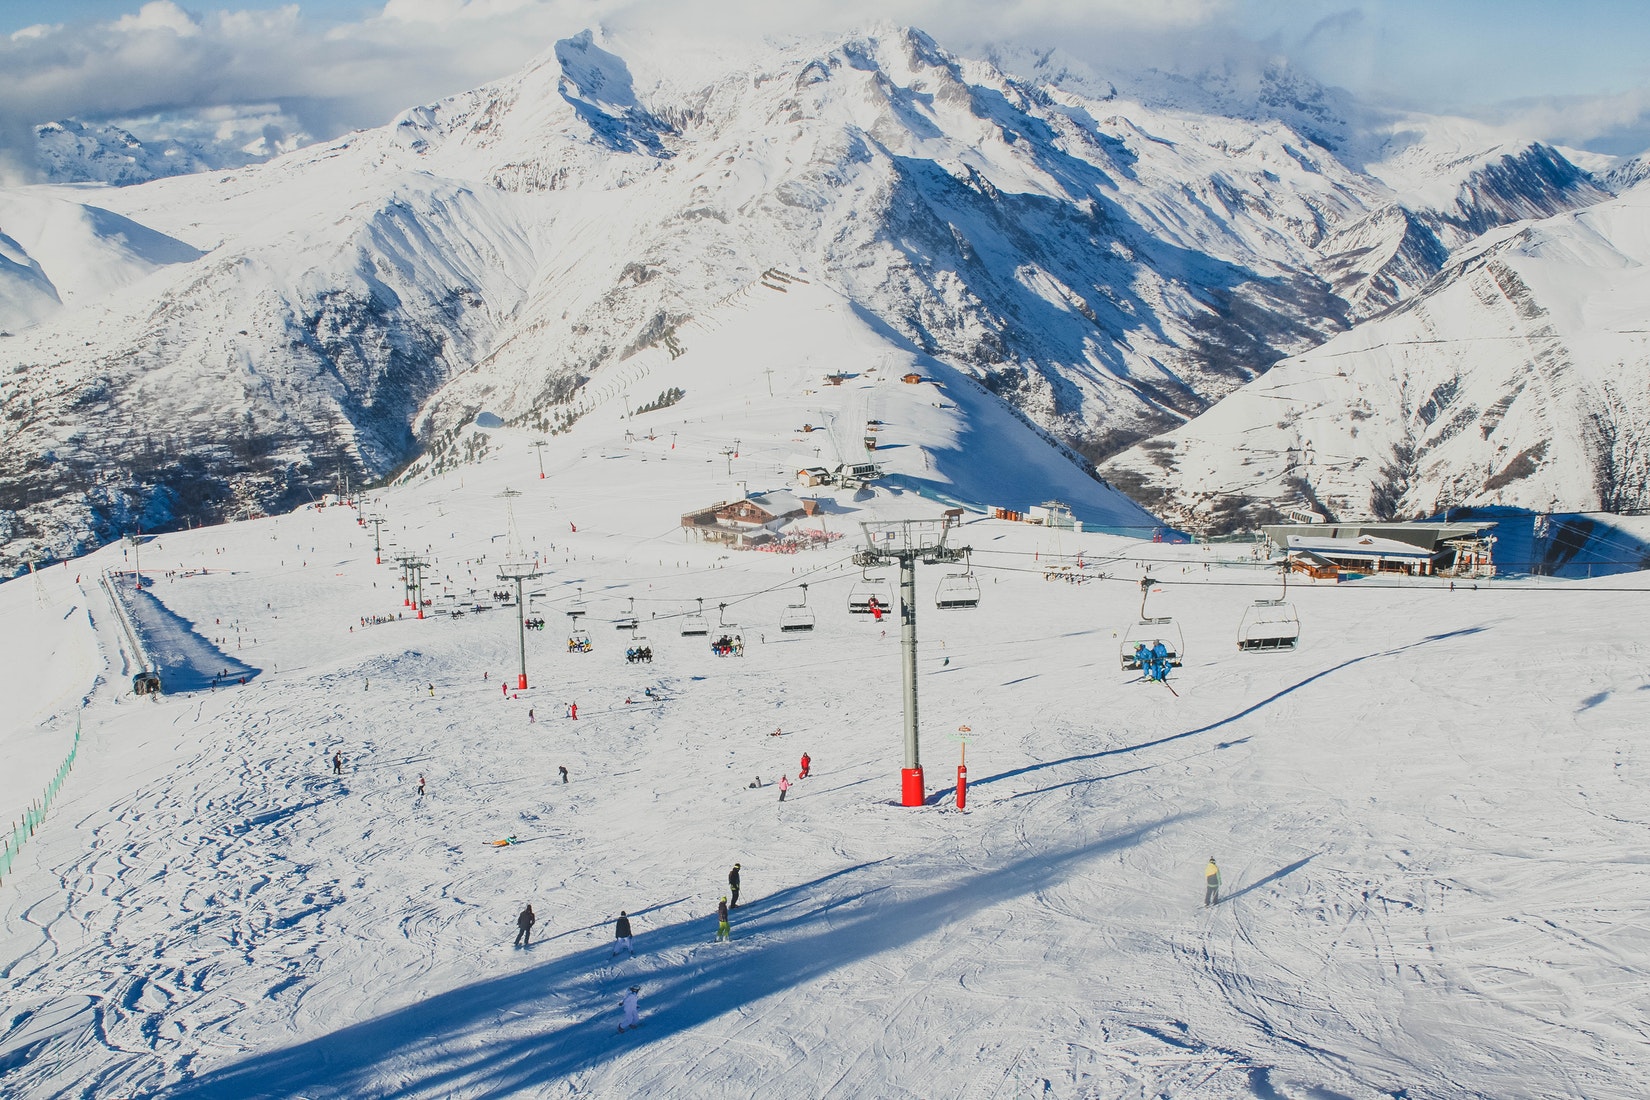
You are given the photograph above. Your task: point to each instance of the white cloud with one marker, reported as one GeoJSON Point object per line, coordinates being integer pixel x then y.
{"type": "Point", "coordinates": [325, 78]}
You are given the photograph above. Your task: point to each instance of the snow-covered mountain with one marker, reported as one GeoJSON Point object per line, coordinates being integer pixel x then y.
{"type": "Point", "coordinates": [1110, 266]}
{"type": "Point", "coordinates": [73, 151]}
{"type": "Point", "coordinates": [1518, 378]}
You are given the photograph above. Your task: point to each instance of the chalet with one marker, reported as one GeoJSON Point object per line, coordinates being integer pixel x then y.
{"type": "Point", "coordinates": [813, 475]}
{"type": "Point", "coordinates": [1418, 549]}
{"type": "Point", "coordinates": [911, 379]}
{"type": "Point", "coordinates": [750, 521]}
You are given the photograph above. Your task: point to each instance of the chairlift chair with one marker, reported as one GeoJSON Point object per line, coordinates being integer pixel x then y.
{"type": "Point", "coordinates": [639, 648]}
{"type": "Point", "coordinates": [1270, 625]}
{"type": "Point", "coordinates": [694, 624]}
{"type": "Point", "coordinates": [1150, 631]}
{"type": "Point", "coordinates": [797, 617]}
{"type": "Point", "coordinates": [958, 591]}
{"type": "Point", "coordinates": [867, 589]}
{"type": "Point", "coordinates": [628, 620]}
{"type": "Point", "coordinates": [578, 641]}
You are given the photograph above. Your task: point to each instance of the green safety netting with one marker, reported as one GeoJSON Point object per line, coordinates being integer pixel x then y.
{"type": "Point", "coordinates": [36, 813]}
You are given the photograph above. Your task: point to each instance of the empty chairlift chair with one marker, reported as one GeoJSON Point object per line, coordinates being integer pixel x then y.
{"type": "Point", "coordinates": [1149, 632]}
{"type": "Point", "coordinates": [958, 591]}
{"type": "Point", "coordinates": [797, 618]}
{"type": "Point", "coordinates": [1270, 625]}
{"type": "Point", "coordinates": [694, 624]}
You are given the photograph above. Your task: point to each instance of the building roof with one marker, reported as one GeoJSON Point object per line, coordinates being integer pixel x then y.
{"type": "Point", "coordinates": [779, 502]}
{"type": "Point", "coordinates": [1362, 546]}
{"type": "Point", "coordinates": [1426, 535]}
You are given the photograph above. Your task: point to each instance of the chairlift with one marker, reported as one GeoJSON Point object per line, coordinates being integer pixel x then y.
{"type": "Point", "coordinates": [1270, 625]}
{"type": "Point", "coordinates": [577, 607]}
{"type": "Point", "coordinates": [639, 649]}
{"type": "Point", "coordinates": [578, 641]}
{"type": "Point", "coordinates": [958, 591]}
{"type": "Point", "coordinates": [867, 589]}
{"type": "Point", "coordinates": [627, 621]}
{"type": "Point", "coordinates": [1150, 632]}
{"type": "Point", "coordinates": [797, 617]}
{"type": "Point", "coordinates": [721, 618]}
{"type": "Point", "coordinates": [694, 624]}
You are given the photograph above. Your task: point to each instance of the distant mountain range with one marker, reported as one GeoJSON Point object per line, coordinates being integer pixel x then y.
{"type": "Point", "coordinates": [1122, 259]}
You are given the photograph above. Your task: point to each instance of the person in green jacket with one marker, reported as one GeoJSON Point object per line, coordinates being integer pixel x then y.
{"type": "Point", "coordinates": [1211, 877]}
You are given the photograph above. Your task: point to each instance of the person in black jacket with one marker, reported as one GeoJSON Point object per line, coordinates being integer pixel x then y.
{"type": "Point", "coordinates": [621, 934]}
{"type": "Point", "coordinates": [524, 927]}
{"type": "Point", "coordinates": [733, 885]}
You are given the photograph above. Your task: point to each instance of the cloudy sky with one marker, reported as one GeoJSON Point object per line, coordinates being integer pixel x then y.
{"type": "Point", "coordinates": [1571, 72]}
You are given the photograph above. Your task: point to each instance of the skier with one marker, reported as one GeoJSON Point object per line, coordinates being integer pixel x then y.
{"type": "Point", "coordinates": [432, 691]}
{"type": "Point", "coordinates": [573, 711]}
{"type": "Point", "coordinates": [784, 785]}
{"type": "Point", "coordinates": [504, 690]}
{"type": "Point", "coordinates": [621, 934]}
{"type": "Point", "coordinates": [529, 716]}
{"type": "Point", "coordinates": [524, 927]}
{"type": "Point", "coordinates": [563, 769]}
{"type": "Point", "coordinates": [733, 884]}
{"type": "Point", "coordinates": [806, 760]}
{"type": "Point", "coordinates": [1211, 877]}
{"type": "Point", "coordinates": [421, 786]}
{"type": "Point", "coordinates": [632, 1015]}
{"type": "Point", "coordinates": [876, 611]}
{"type": "Point", "coordinates": [338, 763]}
{"type": "Point", "coordinates": [723, 932]}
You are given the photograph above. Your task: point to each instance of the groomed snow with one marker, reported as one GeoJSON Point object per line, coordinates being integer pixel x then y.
{"type": "Point", "coordinates": [1430, 817]}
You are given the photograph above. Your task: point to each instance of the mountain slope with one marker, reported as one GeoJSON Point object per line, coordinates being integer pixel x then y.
{"type": "Point", "coordinates": [1109, 266]}
{"type": "Point", "coordinates": [1518, 378]}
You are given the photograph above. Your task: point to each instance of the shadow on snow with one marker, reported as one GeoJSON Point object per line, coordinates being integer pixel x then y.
{"type": "Point", "coordinates": [185, 660]}
{"type": "Point", "coordinates": [449, 1042]}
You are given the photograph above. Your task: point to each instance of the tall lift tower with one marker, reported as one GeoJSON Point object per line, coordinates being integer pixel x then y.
{"type": "Point", "coordinates": [907, 542]}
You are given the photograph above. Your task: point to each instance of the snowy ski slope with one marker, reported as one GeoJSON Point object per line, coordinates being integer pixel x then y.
{"type": "Point", "coordinates": [1430, 817]}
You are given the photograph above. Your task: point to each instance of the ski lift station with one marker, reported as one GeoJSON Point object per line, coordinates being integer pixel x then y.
{"type": "Point", "coordinates": [1421, 549]}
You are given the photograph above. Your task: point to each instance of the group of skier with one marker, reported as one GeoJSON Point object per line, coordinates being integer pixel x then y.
{"type": "Point", "coordinates": [1153, 661]}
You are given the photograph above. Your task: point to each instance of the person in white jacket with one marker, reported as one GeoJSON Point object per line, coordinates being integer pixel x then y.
{"type": "Point", "coordinates": [632, 1015]}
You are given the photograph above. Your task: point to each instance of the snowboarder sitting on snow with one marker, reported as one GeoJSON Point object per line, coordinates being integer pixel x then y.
{"type": "Point", "coordinates": [757, 782]}
{"type": "Point", "coordinates": [524, 927]}
{"type": "Point", "coordinates": [621, 934]}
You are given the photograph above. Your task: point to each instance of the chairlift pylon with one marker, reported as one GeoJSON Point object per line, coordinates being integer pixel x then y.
{"type": "Point", "coordinates": [797, 617]}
